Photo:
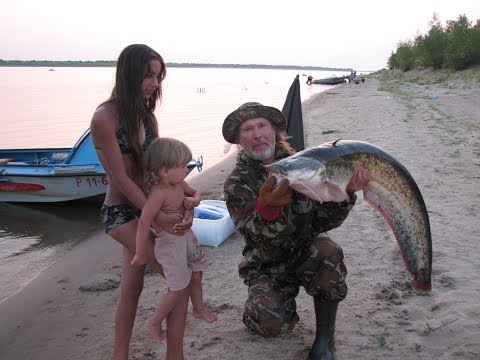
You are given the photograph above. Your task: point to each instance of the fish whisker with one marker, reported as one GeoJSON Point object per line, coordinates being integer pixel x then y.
{"type": "Point", "coordinates": [313, 192]}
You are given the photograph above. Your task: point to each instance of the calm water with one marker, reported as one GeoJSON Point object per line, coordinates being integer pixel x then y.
{"type": "Point", "coordinates": [42, 108]}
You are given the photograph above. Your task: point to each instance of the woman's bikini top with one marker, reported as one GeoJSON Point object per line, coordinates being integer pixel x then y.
{"type": "Point", "coordinates": [122, 138]}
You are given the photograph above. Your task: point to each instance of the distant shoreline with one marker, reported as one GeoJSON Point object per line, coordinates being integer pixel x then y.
{"type": "Point", "coordinates": [111, 63]}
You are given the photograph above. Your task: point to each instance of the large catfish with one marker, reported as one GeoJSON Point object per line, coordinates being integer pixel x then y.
{"type": "Point", "coordinates": [323, 172]}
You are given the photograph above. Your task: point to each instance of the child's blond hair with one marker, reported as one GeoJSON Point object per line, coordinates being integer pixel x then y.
{"type": "Point", "coordinates": [164, 153]}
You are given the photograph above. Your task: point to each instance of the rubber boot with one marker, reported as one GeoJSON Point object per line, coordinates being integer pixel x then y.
{"type": "Point", "coordinates": [324, 343]}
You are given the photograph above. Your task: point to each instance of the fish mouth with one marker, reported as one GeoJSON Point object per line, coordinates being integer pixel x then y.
{"type": "Point", "coordinates": [301, 170]}
{"type": "Point", "coordinates": [277, 172]}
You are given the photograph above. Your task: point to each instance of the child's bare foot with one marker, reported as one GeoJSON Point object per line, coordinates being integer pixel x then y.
{"type": "Point", "coordinates": [204, 315]}
{"type": "Point", "coordinates": [155, 330]}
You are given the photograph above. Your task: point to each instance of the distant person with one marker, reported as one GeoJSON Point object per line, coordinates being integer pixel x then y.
{"type": "Point", "coordinates": [286, 245]}
{"type": "Point", "coordinates": [309, 79]}
{"type": "Point", "coordinates": [181, 256]}
{"type": "Point", "coordinates": [122, 127]}
{"type": "Point", "coordinates": [353, 74]}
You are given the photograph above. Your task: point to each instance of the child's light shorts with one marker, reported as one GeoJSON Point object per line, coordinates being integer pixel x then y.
{"type": "Point", "coordinates": [179, 255]}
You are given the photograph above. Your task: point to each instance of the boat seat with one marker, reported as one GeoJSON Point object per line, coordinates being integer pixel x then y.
{"type": "Point", "coordinates": [4, 161]}
{"type": "Point", "coordinates": [59, 157]}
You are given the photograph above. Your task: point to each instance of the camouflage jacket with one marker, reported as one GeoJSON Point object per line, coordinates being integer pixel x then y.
{"type": "Point", "coordinates": [269, 243]}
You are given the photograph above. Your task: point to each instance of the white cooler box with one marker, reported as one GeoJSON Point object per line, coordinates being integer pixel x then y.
{"type": "Point", "coordinates": [212, 223]}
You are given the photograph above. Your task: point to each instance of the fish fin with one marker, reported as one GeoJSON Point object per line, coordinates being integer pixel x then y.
{"type": "Point", "coordinates": [325, 193]}
{"type": "Point", "coordinates": [372, 199]}
{"type": "Point", "coordinates": [337, 194]}
{"type": "Point", "coordinates": [335, 142]}
{"type": "Point", "coordinates": [376, 202]}
{"type": "Point", "coordinates": [310, 192]}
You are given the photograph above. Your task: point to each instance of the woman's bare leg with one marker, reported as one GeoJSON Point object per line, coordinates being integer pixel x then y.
{"type": "Point", "coordinates": [131, 286]}
{"type": "Point", "coordinates": [132, 282]}
{"type": "Point", "coordinates": [176, 329]}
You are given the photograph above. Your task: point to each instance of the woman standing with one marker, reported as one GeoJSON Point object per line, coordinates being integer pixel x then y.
{"type": "Point", "coordinates": [122, 128]}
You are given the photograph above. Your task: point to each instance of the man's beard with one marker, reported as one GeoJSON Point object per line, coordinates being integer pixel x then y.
{"type": "Point", "coordinates": [262, 155]}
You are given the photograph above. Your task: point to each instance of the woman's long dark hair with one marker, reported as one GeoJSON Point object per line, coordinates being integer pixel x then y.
{"type": "Point", "coordinates": [133, 66]}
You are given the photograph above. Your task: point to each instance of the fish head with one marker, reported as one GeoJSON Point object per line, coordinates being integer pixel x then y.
{"type": "Point", "coordinates": [305, 175]}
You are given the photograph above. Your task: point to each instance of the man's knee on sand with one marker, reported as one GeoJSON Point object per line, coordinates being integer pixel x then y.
{"type": "Point", "coordinates": [328, 249]}
{"type": "Point", "coordinates": [268, 319]}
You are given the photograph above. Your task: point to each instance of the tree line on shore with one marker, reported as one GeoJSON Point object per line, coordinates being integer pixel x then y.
{"type": "Point", "coordinates": [112, 63]}
{"type": "Point", "coordinates": [455, 46]}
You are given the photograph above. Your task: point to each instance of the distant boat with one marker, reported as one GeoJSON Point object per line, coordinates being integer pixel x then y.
{"type": "Point", "coordinates": [56, 174]}
{"type": "Point", "coordinates": [51, 69]}
{"type": "Point", "coordinates": [358, 79]}
{"type": "Point", "coordinates": [354, 78]}
{"type": "Point", "coordinates": [334, 80]}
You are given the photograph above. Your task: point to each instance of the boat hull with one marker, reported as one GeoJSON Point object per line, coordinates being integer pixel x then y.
{"type": "Point", "coordinates": [52, 174]}
{"type": "Point", "coordinates": [329, 81]}
{"type": "Point", "coordinates": [55, 188]}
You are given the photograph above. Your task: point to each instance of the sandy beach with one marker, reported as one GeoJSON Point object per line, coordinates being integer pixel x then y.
{"type": "Point", "coordinates": [427, 121]}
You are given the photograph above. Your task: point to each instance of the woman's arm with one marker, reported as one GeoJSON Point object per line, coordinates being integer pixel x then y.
{"type": "Point", "coordinates": [152, 206]}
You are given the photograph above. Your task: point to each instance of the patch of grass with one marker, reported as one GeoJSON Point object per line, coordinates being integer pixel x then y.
{"type": "Point", "coordinates": [411, 109]}
{"type": "Point", "coordinates": [397, 84]}
{"type": "Point", "coordinates": [473, 209]}
{"type": "Point", "coordinates": [473, 127]}
{"type": "Point", "coordinates": [456, 141]}
{"type": "Point", "coordinates": [394, 89]}
{"type": "Point", "coordinates": [470, 77]}
{"type": "Point", "coordinates": [428, 76]}
{"type": "Point", "coordinates": [429, 328]}
{"type": "Point", "coordinates": [433, 106]}
{"type": "Point", "coordinates": [416, 80]}
{"type": "Point", "coordinates": [456, 154]}
{"type": "Point", "coordinates": [407, 97]}
{"type": "Point", "coordinates": [382, 339]}
{"type": "Point", "coordinates": [476, 148]}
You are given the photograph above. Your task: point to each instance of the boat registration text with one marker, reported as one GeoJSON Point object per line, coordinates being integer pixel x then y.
{"type": "Point", "coordinates": [91, 181]}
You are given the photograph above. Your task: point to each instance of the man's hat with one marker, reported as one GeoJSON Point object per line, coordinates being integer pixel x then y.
{"type": "Point", "coordinates": [249, 111]}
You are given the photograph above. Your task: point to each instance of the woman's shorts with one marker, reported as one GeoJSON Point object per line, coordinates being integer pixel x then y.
{"type": "Point", "coordinates": [115, 215]}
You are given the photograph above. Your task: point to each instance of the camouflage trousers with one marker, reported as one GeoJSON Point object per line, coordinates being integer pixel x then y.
{"type": "Point", "coordinates": [271, 307]}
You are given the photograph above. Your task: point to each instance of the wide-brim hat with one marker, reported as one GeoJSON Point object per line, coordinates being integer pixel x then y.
{"type": "Point", "coordinates": [247, 111]}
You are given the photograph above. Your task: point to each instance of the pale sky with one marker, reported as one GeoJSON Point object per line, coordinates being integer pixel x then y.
{"type": "Point", "coordinates": [349, 34]}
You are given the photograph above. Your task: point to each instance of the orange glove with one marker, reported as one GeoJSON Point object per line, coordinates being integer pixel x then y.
{"type": "Point", "coordinates": [279, 196]}
{"type": "Point", "coordinates": [270, 200]}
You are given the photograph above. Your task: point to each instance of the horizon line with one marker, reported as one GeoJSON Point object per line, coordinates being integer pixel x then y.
{"type": "Point", "coordinates": [105, 63]}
